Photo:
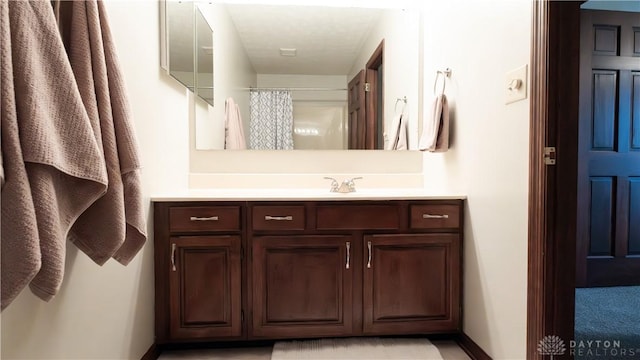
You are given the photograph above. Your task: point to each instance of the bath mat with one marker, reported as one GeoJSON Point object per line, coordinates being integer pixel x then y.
{"type": "Point", "coordinates": [356, 349]}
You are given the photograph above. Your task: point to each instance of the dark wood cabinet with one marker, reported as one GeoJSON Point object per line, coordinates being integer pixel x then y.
{"type": "Point", "coordinates": [198, 271]}
{"type": "Point", "coordinates": [302, 286]}
{"type": "Point", "coordinates": [411, 283]}
{"type": "Point", "coordinates": [266, 270]}
{"type": "Point", "coordinates": [204, 287]}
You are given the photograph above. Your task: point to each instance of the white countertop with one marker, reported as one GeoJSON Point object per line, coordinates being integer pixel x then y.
{"type": "Point", "coordinates": [302, 194]}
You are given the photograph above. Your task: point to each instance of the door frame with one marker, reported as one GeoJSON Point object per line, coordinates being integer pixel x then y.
{"type": "Point", "coordinates": [555, 55]}
{"type": "Point", "coordinates": [371, 97]}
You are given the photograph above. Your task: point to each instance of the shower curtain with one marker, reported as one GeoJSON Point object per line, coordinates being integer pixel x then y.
{"type": "Point", "coordinates": [271, 120]}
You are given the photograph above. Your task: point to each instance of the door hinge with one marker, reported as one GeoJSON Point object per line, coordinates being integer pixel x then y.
{"type": "Point", "coordinates": [242, 316]}
{"type": "Point", "coordinates": [550, 155]}
{"type": "Point", "coordinates": [367, 87]}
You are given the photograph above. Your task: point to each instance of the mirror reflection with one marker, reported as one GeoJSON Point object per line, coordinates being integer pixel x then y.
{"type": "Point", "coordinates": [204, 58]}
{"type": "Point", "coordinates": [181, 41]}
{"type": "Point", "coordinates": [189, 47]}
{"type": "Point", "coordinates": [310, 77]}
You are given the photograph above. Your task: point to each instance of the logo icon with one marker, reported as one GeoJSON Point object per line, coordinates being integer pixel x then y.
{"type": "Point", "coordinates": [551, 345]}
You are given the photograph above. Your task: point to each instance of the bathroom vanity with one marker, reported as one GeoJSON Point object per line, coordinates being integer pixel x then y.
{"type": "Point", "coordinates": [266, 268]}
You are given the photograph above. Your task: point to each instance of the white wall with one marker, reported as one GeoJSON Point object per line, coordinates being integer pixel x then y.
{"type": "Point", "coordinates": [308, 81]}
{"type": "Point", "coordinates": [233, 72]}
{"type": "Point", "coordinates": [400, 31]}
{"type": "Point", "coordinates": [481, 41]}
{"type": "Point", "coordinates": [107, 312]}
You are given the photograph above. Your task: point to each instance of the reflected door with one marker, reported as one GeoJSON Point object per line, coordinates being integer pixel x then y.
{"type": "Point", "coordinates": [357, 112]}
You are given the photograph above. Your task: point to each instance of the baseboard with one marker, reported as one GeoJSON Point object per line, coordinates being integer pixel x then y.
{"type": "Point", "coordinates": [472, 349]}
{"type": "Point", "coordinates": [152, 354]}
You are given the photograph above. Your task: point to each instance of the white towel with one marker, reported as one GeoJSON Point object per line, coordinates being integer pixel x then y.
{"type": "Point", "coordinates": [398, 136]}
{"type": "Point", "coordinates": [233, 128]}
{"type": "Point", "coordinates": [435, 129]}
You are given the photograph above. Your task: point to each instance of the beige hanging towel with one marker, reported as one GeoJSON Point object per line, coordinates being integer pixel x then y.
{"type": "Point", "coordinates": [53, 167]}
{"type": "Point", "coordinates": [435, 129]}
{"type": "Point", "coordinates": [114, 226]}
{"type": "Point", "coordinates": [233, 128]}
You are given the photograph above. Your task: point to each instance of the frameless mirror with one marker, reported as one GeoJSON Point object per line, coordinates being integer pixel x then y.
{"type": "Point", "coordinates": [187, 46]}
{"type": "Point", "coordinates": [180, 41]}
{"type": "Point", "coordinates": [313, 53]}
{"type": "Point", "coordinates": [204, 58]}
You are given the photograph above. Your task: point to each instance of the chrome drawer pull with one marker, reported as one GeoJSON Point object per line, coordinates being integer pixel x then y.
{"type": "Point", "coordinates": [195, 218]}
{"type": "Point", "coordinates": [429, 216]}
{"type": "Point", "coordinates": [173, 257]}
{"type": "Point", "coordinates": [348, 254]}
{"type": "Point", "coordinates": [278, 218]}
{"type": "Point", "coordinates": [369, 261]}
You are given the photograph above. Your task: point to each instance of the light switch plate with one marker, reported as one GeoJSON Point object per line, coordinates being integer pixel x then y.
{"type": "Point", "coordinates": [516, 85]}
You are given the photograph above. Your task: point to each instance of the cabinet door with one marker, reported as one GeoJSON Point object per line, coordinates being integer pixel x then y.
{"type": "Point", "coordinates": [411, 283]}
{"type": "Point", "coordinates": [302, 286]}
{"type": "Point", "coordinates": [204, 289]}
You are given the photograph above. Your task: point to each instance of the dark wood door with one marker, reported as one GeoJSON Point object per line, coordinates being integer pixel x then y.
{"type": "Point", "coordinates": [302, 286]}
{"type": "Point", "coordinates": [374, 134]}
{"type": "Point", "coordinates": [204, 287]}
{"type": "Point", "coordinates": [411, 284]}
{"type": "Point", "coordinates": [608, 226]}
{"type": "Point", "coordinates": [357, 112]}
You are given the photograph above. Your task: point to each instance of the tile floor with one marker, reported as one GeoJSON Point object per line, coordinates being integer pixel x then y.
{"type": "Point", "coordinates": [448, 349]}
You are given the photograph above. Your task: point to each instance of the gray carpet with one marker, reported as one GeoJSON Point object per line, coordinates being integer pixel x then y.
{"type": "Point", "coordinates": [607, 314]}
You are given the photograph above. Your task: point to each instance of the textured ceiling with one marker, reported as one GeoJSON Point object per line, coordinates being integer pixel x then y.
{"type": "Point", "coordinates": [327, 39]}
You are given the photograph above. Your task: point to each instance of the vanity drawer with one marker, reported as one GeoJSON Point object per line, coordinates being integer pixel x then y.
{"type": "Point", "coordinates": [435, 216]}
{"type": "Point", "coordinates": [357, 217]}
{"type": "Point", "coordinates": [278, 217]}
{"type": "Point", "coordinates": [204, 218]}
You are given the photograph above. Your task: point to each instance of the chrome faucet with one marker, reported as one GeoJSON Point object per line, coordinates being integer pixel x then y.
{"type": "Point", "coordinates": [347, 185]}
{"type": "Point", "coordinates": [334, 184]}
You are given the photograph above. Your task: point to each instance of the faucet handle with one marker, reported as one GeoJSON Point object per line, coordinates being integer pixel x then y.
{"type": "Point", "coordinates": [334, 184]}
{"type": "Point", "coordinates": [351, 184]}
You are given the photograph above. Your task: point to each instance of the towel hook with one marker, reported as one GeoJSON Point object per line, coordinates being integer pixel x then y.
{"type": "Point", "coordinates": [446, 73]}
{"type": "Point", "coordinates": [404, 100]}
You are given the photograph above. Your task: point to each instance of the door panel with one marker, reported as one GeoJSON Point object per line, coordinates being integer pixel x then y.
{"type": "Point", "coordinates": [357, 112]}
{"type": "Point", "coordinates": [609, 151]}
{"type": "Point", "coordinates": [634, 213]}
{"type": "Point", "coordinates": [602, 216]}
{"type": "Point", "coordinates": [302, 286]}
{"type": "Point", "coordinates": [635, 112]}
{"type": "Point", "coordinates": [205, 287]}
{"type": "Point", "coordinates": [411, 283]}
{"type": "Point", "coordinates": [605, 40]}
{"type": "Point", "coordinates": [604, 110]}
